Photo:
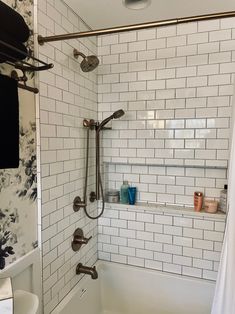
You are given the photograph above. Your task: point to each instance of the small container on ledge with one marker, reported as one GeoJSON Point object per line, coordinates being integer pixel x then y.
{"type": "Point", "coordinates": [112, 196]}
{"type": "Point", "coordinates": [124, 192]}
{"type": "Point", "coordinates": [132, 195]}
{"type": "Point", "coordinates": [210, 206]}
{"type": "Point", "coordinates": [223, 199]}
{"type": "Point", "coordinates": [198, 200]}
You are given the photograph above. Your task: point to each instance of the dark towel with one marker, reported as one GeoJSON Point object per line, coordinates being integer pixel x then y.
{"type": "Point", "coordinates": [9, 123]}
{"type": "Point", "coordinates": [13, 23]}
{"type": "Point", "coordinates": [9, 54]}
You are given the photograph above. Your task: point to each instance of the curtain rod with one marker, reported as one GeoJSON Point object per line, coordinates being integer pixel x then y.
{"type": "Point", "coordinates": [133, 27]}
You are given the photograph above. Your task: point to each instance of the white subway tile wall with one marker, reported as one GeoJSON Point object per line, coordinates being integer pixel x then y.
{"type": "Point", "coordinates": [67, 95]}
{"type": "Point", "coordinates": [175, 241]}
{"type": "Point", "coordinates": [175, 84]}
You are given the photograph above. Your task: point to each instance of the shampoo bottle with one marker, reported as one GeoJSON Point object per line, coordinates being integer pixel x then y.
{"type": "Point", "coordinates": [124, 192]}
{"type": "Point", "coordinates": [223, 199]}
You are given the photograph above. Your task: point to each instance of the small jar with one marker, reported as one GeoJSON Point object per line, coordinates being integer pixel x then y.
{"type": "Point", "coordinates": [210, 206]}
{"type": "Point", "coordinates": [112, 196]}
{"type": "Point", "coordinates": [198, 200]}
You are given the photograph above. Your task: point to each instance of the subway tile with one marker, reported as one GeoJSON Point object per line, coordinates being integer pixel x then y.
{"type": "Point", "coordinates": [117, 258]}
{"type": "Point", "coordinates": [172, 268]}
{"type": "Point", "coordinates": [163, 257]}
{"type": "Point", "coordinates": [210, 255]}
{"type": "Point", "coordinates": [209, 275]}
{"type": "Point", "coordinates": [153, 264]}
{"type": "Point", "coordinates": [183, 241]}
{"type": "Point", "coordinates": [193, 272]}
{"type": "Point", "coordinates": [204, 264]}
{"type": "Point", "coordinates": [182, 260]}
{"type": "Point", "coordinates": [136, 243]}
{"type": "Point", "coordinates": [156, 43]}
{"type": "Point", "coordinates": [172, 249]}
{"type": "Point", "coordinates": [176, 41]}
{"type": "Point", "coordinates": [172, 230]}
{"type": "Point", "coordinates": [143, 254]}
{"type": "Point", "coordinates": [192, 252]}
{"type": "Point", "coordinates": [154, 227]}
{"type": "Point", "coordinates": [123, 250]}
{"type": "Point", "coordinates": [148, 236]}
{"type": "Point", "coordinates": [203, 244]}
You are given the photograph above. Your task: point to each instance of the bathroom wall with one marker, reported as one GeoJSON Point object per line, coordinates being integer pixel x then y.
{"type": "Point", "coordinates": [175, 85]}
{"type": "Point", "coordinates": [67, 96]}
{"type": "Point", "coordinates": [18, 187]}
{"type": "Point", "coordinates": [169, 239]}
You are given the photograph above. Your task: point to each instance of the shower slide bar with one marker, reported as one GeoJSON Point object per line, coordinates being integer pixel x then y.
{"type": "Point", "coordinates": [133, 27]}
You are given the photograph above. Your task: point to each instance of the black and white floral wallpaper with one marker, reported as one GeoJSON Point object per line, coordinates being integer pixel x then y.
{"type": "Point", "coordinates": [18, 187]}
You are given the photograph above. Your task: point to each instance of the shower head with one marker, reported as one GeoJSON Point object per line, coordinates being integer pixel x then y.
{"type": "Point", "coordinates": [89, 63]}
{"type": "Point", "coordinates": [116, 115]}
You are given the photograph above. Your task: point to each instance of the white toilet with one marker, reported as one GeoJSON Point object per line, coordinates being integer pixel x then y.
{"type": "Point", "coordinates": [25, 302]}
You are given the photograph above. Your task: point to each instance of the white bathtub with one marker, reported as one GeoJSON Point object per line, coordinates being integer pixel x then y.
{"type": "Point", "coordinates": [123, 289]}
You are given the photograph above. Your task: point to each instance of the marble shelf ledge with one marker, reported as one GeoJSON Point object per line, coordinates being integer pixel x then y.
{"type": "Point", "coordinates": [166, 209]}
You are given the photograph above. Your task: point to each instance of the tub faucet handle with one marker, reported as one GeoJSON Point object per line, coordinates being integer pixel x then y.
{"type": "Point", "coordinates": [78, 240]}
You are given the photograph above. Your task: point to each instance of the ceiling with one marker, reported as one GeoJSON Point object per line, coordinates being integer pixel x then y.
{"type": "Point", "coordinates": [109, 13]}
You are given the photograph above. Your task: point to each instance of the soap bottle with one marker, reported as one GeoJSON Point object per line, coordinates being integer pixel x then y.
{"type": "Point", "coordinates": [223, 199]}
{"type": "Point", "coordinates": [198, 200]}
{"type": "Point", "coordinates": [124, 192]}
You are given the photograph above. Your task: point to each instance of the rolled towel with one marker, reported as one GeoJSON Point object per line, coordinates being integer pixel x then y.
{"type": "Point", "coordinates": [9, 123]}
{"type": "Point", "coordinates": [13, 23]}
{"type": "Point", "coordinates": [8, 54]}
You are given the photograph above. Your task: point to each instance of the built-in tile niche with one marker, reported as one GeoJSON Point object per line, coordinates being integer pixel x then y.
{"type": "Point", "coordinates": [175, 84]}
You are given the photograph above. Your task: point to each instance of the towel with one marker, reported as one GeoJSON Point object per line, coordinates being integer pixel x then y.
{"type": "Point", "coordinates": [9, 123]}
{"type": "Point", "coordinates": [13, 24]}
{"type": "Point", "coordinates": [9, 54]}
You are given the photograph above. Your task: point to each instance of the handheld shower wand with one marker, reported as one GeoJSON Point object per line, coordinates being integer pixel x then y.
{"type": "Point", "coordinates": [116, 115]}
{"type": "Point", "coordinates": [90, 125]}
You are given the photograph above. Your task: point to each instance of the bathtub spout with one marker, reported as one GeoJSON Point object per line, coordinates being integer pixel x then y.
{"type": "Point", "coordinates": [81, 269]}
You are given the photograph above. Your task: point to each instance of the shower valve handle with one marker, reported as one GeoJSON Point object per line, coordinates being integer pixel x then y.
{"type": "Point", "coordinates": [78, 240]}
{"type": "Point", "coordinates": [81, 240]}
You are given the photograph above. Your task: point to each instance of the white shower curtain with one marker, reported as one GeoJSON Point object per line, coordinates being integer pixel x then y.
{"type": "Point", "coordinates": [224, 298]}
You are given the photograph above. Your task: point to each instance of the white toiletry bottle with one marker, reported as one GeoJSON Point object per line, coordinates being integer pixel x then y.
{"type": "Point", "coordinates": [223, 199]}
{"type": "Point", "coordinates": [124, 192]}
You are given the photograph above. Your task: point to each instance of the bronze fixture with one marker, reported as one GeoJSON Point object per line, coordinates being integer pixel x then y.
{"type": "Point", "coordinates": [81, 269]}
{"type": "Point", "coordinates": [89, 63]}
{"type": "Point", "coordinates": [101, 126]}
{"type": "Point", "coordinates": [134, 27]}
{"type": "Point", "coordinates": [90, 125]}
{"type": "Point", "coordinates": [78, 240]}
{"type": "Point", "coordinates": [77, 204]}
{"type": "Point", "coordinates": [92, 197]}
